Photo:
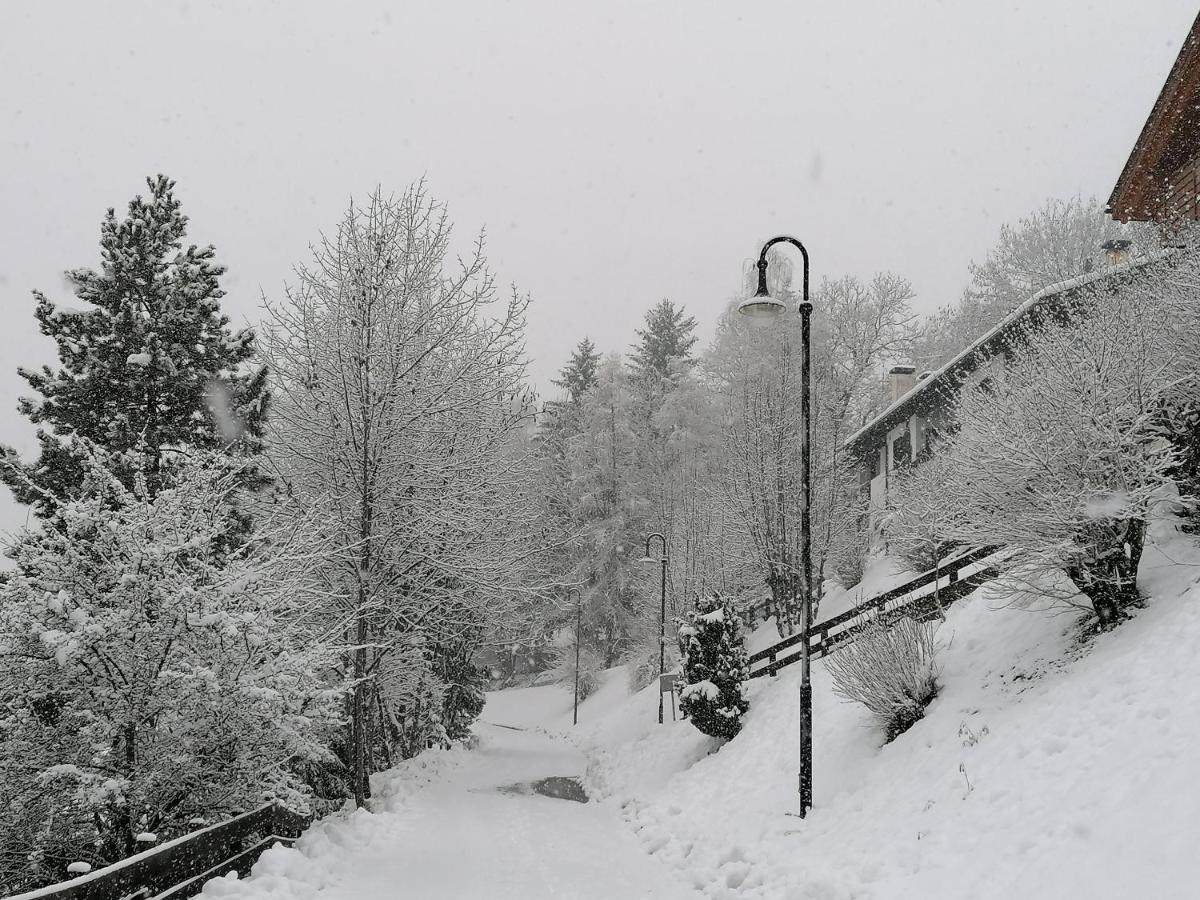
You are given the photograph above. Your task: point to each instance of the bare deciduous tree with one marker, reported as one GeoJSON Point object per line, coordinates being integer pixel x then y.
{"type": "Point", "coordinates": [401, 411]}
{"type": "Point", "coordinates": [856, 328]}
{"type": "Point", "coordinates": [1063, 459]}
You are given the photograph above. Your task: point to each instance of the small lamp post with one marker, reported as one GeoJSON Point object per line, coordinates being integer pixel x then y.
{"type": "Point", "coordinates": [578, 622]}
{"type": "Point", "coordinates": [662, 621]}
{"type": "Point", "coordinates": [763, 306]}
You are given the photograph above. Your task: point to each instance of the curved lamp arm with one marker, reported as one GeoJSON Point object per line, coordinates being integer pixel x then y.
{"type": "Point", "coordinates": [664, 545]}
{"type": "Point", "coordinates": [762, 265]}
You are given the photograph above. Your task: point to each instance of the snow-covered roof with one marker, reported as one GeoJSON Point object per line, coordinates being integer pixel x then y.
{"type": "Point", "coordinates": [924, 388]}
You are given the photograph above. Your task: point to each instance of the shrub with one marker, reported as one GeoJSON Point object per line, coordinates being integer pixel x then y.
{"type": "Point", "coordinates": [590, 667]}
{"type": "Point", "coordinates": [890, 669]}
{"type": "Point", "coordinates": [149, 674]}
{"type": "Point", "coordinates": [715, 664]}
{"type": "Point", "coordinates": [644, 665]}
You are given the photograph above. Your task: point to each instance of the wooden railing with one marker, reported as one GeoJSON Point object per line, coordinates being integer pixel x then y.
{"type": "Point", "coordinates": [920, 598]}
{"type": "Point", "coordinates": [179, 868]}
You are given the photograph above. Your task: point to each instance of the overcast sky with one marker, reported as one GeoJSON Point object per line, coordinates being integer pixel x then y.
{"type": "Point", "coordinates": [616, 152]}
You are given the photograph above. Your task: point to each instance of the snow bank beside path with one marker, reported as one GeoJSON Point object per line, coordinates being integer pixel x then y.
{"type": "Point", "coordinates": [1045, 769]}
{"type": "Point", "coordinates": [318, 860]}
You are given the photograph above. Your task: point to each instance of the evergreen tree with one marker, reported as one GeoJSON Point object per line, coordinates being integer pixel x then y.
{"type": "Point", "coordinates": [149, 365]}
{"type": "Point", "coordinates": [578, 376]}
{"type": "Point", "coordinates": [558, 424]}
{"type": "Point", "coordinates": [666, 341]}
{"type": "Point", "coordinates": [465, 684]}
{"type": "Point", "coordinates": [715, 665]}
{"type": "Point", "coordinates": [607, 513]}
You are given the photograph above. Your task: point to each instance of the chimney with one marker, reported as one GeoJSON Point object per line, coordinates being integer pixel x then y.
{"type": "Point", "coordinates": [901, 379]}
{"type": "Point", "coordinates": [1116, 251]}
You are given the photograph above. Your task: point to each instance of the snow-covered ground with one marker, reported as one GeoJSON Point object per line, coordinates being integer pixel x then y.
{"type": "Point", "coordinates": [443, 827]}
{"type": "Point", "coordinates": [1046, 769]}
{"type": "Point", "coordinates": [1049, 767]}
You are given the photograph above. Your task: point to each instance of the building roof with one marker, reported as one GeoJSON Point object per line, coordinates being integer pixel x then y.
{"type": "Point", "coordinates": [934, 389]}
{"type": "Point", "coordinates": [1168, 139]}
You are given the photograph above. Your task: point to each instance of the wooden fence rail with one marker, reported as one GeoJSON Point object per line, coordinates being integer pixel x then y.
{"type": "Point", "coordinates": [949, 581]}
{"type": "Point", "coordinates": [180, 867]}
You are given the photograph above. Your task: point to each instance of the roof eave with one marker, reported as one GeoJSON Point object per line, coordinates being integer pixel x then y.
{"type": "Point", "coordinates": [923, 387]}
{"type": "Point", "coordinates": [1129, 194]}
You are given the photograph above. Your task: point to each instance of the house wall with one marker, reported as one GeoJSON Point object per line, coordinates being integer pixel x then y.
{"type": "Point", "coordinates": [900, 447]}
{"type": "Point", "coordinates": [1180, 201]}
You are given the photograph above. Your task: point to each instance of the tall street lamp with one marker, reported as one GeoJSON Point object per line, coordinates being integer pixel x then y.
{"type": "Point", "coordinates": [578, 621]}
{"type": "Point", "coordinates": [662, 621]}
{"type": "Point", "coordinates": [763, 306]}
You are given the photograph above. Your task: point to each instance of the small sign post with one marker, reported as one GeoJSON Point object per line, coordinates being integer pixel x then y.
{"type": "Point", "coordinates": [666, 685]}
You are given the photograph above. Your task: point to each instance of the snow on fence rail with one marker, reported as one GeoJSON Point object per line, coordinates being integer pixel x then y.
{"type": "Point", "coordinates": [179, 868]}
{"type": "Point", "coordinates": [921, 597]}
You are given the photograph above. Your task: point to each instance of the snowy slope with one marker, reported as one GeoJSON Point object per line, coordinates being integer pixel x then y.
{"type": "Point", "coordinates": [1045, 769]}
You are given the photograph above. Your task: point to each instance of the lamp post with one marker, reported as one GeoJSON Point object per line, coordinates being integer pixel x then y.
{"type": "Point", "coordinates": [763, 306]}
{"type": "Point", "coordinates": [662, 621]}
{"type": "Point", "coordinates": [578, 621]}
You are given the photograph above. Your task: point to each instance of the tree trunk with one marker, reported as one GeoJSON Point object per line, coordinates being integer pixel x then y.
{"type": "Point", "coordinates": [358, 712]}
{"type": "Point", "coordinates": [1108, 577]}
{"type": "Point", "coordinates": [783, 600]}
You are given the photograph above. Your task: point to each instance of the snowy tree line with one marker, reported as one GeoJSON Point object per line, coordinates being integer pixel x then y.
{"type": "Point", "coordinates": [704, 448]}
{"type": "Point", "coordinates": [262, 566]}
{"type": "Point", "coordinates": [703, 445]}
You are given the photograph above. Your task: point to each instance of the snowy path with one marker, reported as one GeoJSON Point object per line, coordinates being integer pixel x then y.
{"type": "Point", "coordinates": [445, 827]}
{"type": "Point", "coordinates": [464, 838]}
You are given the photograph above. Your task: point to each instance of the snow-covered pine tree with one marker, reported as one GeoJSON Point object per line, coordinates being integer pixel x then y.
{"type": "Point", "coordinates": [665, 344]}
{"type": "Point", "coordinates": [558, 423]}
{"type": "Point", "coordinates": [657, 364]}
{"type": "Point", "coordinates": [148, 364]}
{"type": "Point", "coordinates": [465, 683]}
{"type": "Point", "coordinates": [578, 376]}
{"type": "Point", "coordinates": [715, 665]}
{"type": "Point", "coordinates": [608, 509]}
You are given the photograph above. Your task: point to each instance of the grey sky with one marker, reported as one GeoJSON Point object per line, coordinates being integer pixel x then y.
{"type": "Point", "coordinates": [617, 152]}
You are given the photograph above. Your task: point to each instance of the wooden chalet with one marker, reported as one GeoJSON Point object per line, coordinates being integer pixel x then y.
{"type": "Point", "coordinates": [1161, 179]}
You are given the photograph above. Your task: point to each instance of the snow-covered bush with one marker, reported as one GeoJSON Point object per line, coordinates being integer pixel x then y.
{"type": "Point", "coordinates": [921, 525]}
{"type": "Point", "coordinates": [591, 665]}
{"type": "Point", "coordinates": [465, 684]}
{"type": "Point", "coordinates": [889, 668]}
{"type": "Point", "coordinates": [149, 674]}
{"type": "Point", "coordinates": [411, 699]}
{"type": "Point", "coordinates": [847, 560]}
{"type": "Point", "coordinates": [1060, 457]}
{"type": "Point", "coordinates": [644, 665]}
{"type": "Point", "coordinates": [715, 665]}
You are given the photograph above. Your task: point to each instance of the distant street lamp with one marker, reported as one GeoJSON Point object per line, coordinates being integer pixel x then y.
{"type": "Point", "coordinates": [662, 621]}
{"type": "Point", "coordinates": [578, 621]}
{"type": "Point", "coordinates": [763, 306]}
